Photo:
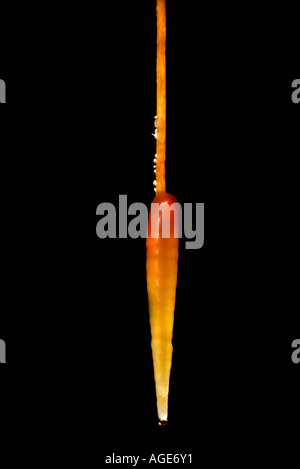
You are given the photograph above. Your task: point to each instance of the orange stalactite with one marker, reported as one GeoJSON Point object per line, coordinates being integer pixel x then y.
{"type": "Point", "coordinates": [162, 265]}
{"type": "Point", "coordinates": [162, 252]}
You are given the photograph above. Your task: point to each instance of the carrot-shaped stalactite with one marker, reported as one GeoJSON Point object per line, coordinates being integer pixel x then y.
{"type": "Point", "coordinates": [162, 242]}
{"type": "Point", "coordinates": [162, 261]}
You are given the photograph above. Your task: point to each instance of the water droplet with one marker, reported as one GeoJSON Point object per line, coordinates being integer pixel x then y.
{"type": "Point", "coordinates": [154, 182]}
{"type": "Point", "coordinates": [162, 423]}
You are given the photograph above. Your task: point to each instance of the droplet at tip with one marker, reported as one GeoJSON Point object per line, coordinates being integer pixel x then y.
{"type": "Point", "coordinates": [162, 423]}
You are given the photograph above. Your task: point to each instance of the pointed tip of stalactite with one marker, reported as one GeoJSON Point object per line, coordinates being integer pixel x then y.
{"type": "Point", "coordinates": [162, 423]}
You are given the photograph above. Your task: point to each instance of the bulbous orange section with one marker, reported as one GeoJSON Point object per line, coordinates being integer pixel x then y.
{"type": "Point", "coordinates": [162, 266]}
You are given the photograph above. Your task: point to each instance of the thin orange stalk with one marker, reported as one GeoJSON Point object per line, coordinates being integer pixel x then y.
{"type": "Point", "coordinates": [161, 97]}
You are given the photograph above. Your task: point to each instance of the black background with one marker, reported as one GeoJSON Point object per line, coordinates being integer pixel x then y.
{"type": "Point", "coordinates": [76, 132]}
